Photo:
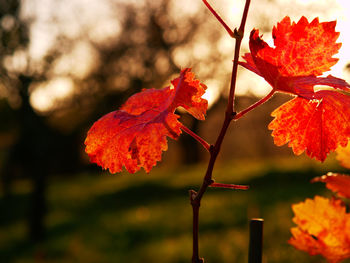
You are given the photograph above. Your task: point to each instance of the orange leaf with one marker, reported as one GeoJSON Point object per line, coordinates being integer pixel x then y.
{"type": "Point", "coordinates": [302, 51]}
{"type": "Point", "coordinates": [323, 227]}
{"type": "Point", "coordinates": [343, 156]}
{"type": "Point", "coordinates": [338, 183]}
{"type": "Point", "coordinates": [316, 126]}
{"type": "Point", "coordinates": [315, 122]}
{"type": "Point", "coordinates": [303, 48]}
{"type": "Point", "coordinates": [135, 135]}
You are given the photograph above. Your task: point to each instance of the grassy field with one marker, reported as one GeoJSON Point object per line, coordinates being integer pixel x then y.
{"type": "Point", "coordinates": [147, 218]}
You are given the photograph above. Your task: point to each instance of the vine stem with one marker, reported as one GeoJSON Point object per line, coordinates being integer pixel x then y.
{"type": "Point", "coordinates": [228, 29]}
{"type": "Point", "coordinates": [197, 137]}
{"type": "Point", "coordinates": [214, 150]}
{"type": "Point", "coordinates": [253, 106]}
{"type": "Point", "coordinates": [230, 186]}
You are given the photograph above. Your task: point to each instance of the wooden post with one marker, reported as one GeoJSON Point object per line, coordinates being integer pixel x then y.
{"type": "Point", "coordinates": [255, 240]}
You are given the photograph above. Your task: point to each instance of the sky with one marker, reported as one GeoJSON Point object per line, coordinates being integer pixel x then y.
{"type": "Point", "coordinates": [52, 17]}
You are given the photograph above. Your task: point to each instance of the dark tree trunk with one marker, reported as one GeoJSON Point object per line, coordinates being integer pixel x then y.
{"type": "Point", "coordinates": [34, 154]}
{"type": "Point", "coordinates": [38, 207]}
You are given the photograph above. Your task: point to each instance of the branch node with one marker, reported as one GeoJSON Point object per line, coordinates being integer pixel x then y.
{"type": "Point", "coordinates": [238, 34]}
{"type": "Point", "coordinates": [211, 148]}
{"type": "Point", "coordinates": [209, 181]}
{"type": "Point", "coordinates": [192, 194]}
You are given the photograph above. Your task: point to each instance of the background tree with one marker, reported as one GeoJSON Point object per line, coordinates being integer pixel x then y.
{"type": "Point", "coordinates": [48, 140]}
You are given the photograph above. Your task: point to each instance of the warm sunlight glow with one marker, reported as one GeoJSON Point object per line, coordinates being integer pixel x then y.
{"type": "Point", "coordinates": [343, 25]}
{"type": "Point", "coordinates": [181, 56]}
{"type": "Point", "coordinates": [17, 62]}
{"type": "Point", "coordinates": [72, 19]}
{"type": "Point", "coordinates": [44, 96]}
{"type": "Point", "coordinates": [250, 83]}
{"type": "Point", "coordinates": [191, 8]}
{"type": "Point", "coordinates": [105, 31]}
{"type": "Point", "coordinates": [79, 62]}
{"type": "Point", "coordinates": [201, 50]}
{"type": "Point", "coordinates": [212, 92]}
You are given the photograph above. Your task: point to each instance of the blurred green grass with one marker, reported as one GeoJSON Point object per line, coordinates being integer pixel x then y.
{"type": "Point", "coordinates": [147, 218]}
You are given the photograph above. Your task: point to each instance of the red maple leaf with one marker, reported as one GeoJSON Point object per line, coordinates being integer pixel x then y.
{"type": "Point", "coordinates": [315, 122]}
{"type": "Point", "coordinates": [316, 126]}
{"type": "Point", "coordinates": [323, 227]}
{"type": "Point", "coordinates": [135, 135]}
{"type": "Point", "coordinates": [338, 183]}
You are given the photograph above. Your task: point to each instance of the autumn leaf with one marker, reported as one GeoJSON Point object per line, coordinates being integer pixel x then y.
{"type": "Point", "coordinates": [315, 122]}
{"type": "Point", "coordinates": [323, 227]}
{"type": "Point", "coordinates": [135, 135]}
{"type": "Point", "coordinates": [302, 52]}
{"type": "Point", "coordinates": [343, 155]}
{"type": "Point", "coordinates": [186, 92]}
{"type": "Point", "coordinates": [316, 126]}
{"type": "Point", "coordinates": [303, 48]}
{"type": "Point", "coordinates": [338, 183]}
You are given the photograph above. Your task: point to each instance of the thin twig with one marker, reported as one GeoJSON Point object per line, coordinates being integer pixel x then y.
{"type": "Point", "coordinates": [228, 29]}
{"type": "Point", "coordinates": [230, 186]}
{"type": "Point", "coordinates": [197, 137]}
{"type": "Point", "coordinates": [253, 106]}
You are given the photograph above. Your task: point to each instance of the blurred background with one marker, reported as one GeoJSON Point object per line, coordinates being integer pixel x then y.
{"type": "Point", "coordinates": [66, 63]}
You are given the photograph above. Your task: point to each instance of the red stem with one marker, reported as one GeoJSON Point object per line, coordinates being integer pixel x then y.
{"type": "Point", "coordinates": [214, 150]}
{"type": "Point", "coordinates": [253, 106]}
{"type": "Point", "coordinates": [197, 137]}
{"type": "Point", "coordinates": [195, 209]}
{"type": "Point", "coordinates": [228, 29]}
{"type": "Point", "coordinates": [230, 186]}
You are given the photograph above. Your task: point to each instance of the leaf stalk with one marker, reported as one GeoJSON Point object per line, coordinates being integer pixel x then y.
{"type": "Point", "coordinates": [196, 137]}
{"type": "Point", "coordinates": [255, 105]}
{"type": "Point", "coordinates": [228, 29]}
